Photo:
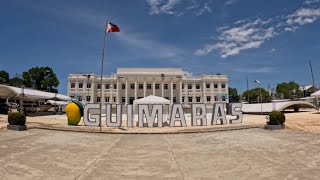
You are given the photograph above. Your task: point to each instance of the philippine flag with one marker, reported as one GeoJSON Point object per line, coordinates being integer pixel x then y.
{"type": "Point", "coordinates": [112, 28]}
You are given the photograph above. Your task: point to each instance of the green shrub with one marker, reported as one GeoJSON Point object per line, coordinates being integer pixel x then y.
{"type": "Point", "coordinates": [16, 119]}
{"type": "Point", "coordinates": [276, 118]}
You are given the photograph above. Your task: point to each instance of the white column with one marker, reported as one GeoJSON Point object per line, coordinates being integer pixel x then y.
{"type": "Point", "coordinates": [154, 88]}
{"type": "Point", "coordinates": [144, 88]}
{"type": "Point", "coordinates": [111, 91]}
{"type": "Point", "coordinates": [118, 89]}
{"type": "Point", "coordinates": [171, 92]}
{"type": "Point", "coordinates": [186, 95]}
{"type": "Point", "coordinates": [204, 93]}
{"type": "Point", "coordinates": [219, 87]}
{"type": "Point", "coordinates": [212, 91]}
{"type": "Point", "coordinates": [180, 92]}
{"type": "Point", "coordinates": [135, 90]}
{"type": "Point", "coordinates": [194, 91]}
{"type": "Point", "coordinates": [69, 88]}
{"type": "Point", "coordinates": [162, 84]}
{"type": "Point", "coordinates": [102, 99]}
{"type": "Point", "coordinates": [126, 102]}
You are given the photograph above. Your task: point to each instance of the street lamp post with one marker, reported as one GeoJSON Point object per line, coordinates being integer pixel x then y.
{"type": "Point", "coordinates": [257, 81]}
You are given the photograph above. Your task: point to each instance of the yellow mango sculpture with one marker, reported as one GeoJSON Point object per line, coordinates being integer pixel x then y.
{"type": "Point", "coordinates": [74, 111]}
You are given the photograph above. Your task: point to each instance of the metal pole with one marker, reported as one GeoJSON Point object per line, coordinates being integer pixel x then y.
{"type": "Point", "coordinates": [102, 62]}
{"type": "Point", "coordinates": [260, 97]}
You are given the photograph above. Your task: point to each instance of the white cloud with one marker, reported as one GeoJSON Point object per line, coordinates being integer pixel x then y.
{"type": "Point", "coordinates": [243, 35]}
{"type": "Point", "coordinates": [303, 16]}
{"type": "Point", "coordinates": [205, 9]}
{"type": "Point", "coordinates": [150, 47]}
{"type": "Point", "coordinates": [272, 50]}
{"type": "Point", "coordinates": [230, 2]}
{"type": "Point", "coordinates": [254, 70]}
{"type": "Point", "coordinates": [247, 34]}
{"type": "Point", "coordinates": [178, 8]}
{"type": "Point", "coordinates": [311, 1]}
{"type": "Point", "coordinates": [162, 6]}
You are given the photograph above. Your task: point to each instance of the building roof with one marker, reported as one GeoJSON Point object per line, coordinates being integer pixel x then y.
{"type": "Point", "coordinates": [10, 91]}
{"type": "Point", "coordinates": [167, 71]}
{"type": "Point", "coordinates": [305, 87]}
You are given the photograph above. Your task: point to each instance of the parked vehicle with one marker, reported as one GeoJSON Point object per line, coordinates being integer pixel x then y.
{"type": "Point", "coordinates": [4, 108]}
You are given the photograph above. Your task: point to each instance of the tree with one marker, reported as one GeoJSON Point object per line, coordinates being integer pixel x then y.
{"type": "Point", "coordinates": [4, 77]}
{"type": "Point", "coordinates": [233, 95]}
{"type": "Point", "coordinates": [254, 95]}
{"type": "Point", "coordinates": [289, 90]}
{"type": "Point", "coordinates": [16, 81]}
{"type": "Point", "coordinates": [41, 78]}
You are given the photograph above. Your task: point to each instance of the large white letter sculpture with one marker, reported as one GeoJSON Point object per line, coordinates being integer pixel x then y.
{"type": "Point", "coordinates": [177, 109]}
{"type": "Point", "coordinates": [144, 110]}
{"type": "Point", "coordinates": [202, 114]}
{"type": "Point", "coordinates": [118, 122]}
{"type": "Point", "coordinates": [96, 117]}
{"type": "Point", "coordinates": [218, 113]}
{"type": "Point", "coordinates": [235, 110]}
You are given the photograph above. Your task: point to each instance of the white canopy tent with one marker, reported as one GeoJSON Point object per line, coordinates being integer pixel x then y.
{"type": "Point", "coordinates": [316, 94]}
{"type": "Point", "coordinates": [32, 94]}
{"type": "Point", "coordinates": [57, 103]}
{"type": "Point", "coordinates": [152, 100]}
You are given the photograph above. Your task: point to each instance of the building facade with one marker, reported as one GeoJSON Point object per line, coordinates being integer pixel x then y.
{"type": "Point", "coordinates": [129, 84]}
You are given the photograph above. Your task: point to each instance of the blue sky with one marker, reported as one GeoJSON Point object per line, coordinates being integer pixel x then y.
{"type": "Point", "coordinates": [271, 41]}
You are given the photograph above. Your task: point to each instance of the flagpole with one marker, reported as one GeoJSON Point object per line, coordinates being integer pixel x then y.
{"type": "Point", "coordinates": [102, 63]}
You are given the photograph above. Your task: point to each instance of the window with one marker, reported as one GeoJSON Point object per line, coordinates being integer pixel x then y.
{"type": "Point", "coordinates": [107, 99]}
{"type": "Point", "coordinates": [98, 86]}
{"type": "Point", "coordinates": [215, 98]}
{"type": "Point", "coordinates": [114, 86]}
{"type": "Point", "coordinates": [166, 98]}
{"type": "Point", "coordinates": [123, 86]}
{"type": "Point", "coordinates": [165, 86]}
{"type": "Point", "coordinates": [197, 86]}
{"type": "Point", "coordinates": [189, 86]}
{"type": "Point", "coordinates": [88, 85]}
{"type": "Point", "coordinates": [114, 99]}
{"type": "Point", "coordinates": [182, 86]}
{"type": "Point", "coordinates": [174, 99]}
{"type": "Point", "coordinates": [182, 99]}
{"type": "Point", "coordinates": [123, 100]}
{"type": "Point", "coordinates": [198, 99]}
{"type": "Point", "coordinates": [157, 86]}
{"type": "Point", "coordinates": [140, 97]}
{"type": "Point", "coordinates": [215, 85]}
{"type": "Point", "coordinates": [88, 98]}
{"type": "Point", "coordinates": [208, 85]}
{"type": "Point", "coordinates": [190, 99]}
{"type": "Point", "coordinates": [80, 85]}
{"type": "Point", "coordinates": [80, 98]}
{"type": "Point", "coordinates": [72, 97]}
{"type": "Point", "coordinates": [174, 86]}
{"type": "Point", "coordinates": [148, 86]}
{"type": "Point", "coordinates": [73, 85]}
{"type": "Point", "coordinates": [98, 99]}
{"type": "Point", "coordinates": [223, 98]}
{"type": "Point", "coordinates": [208, 98]}
{"type": "Point", "coordinates": [132, 86]}
{"type": "Point", "coordinates": [107, 86]}
{"type": "Point", "coordinates": [140, 86]}
{"type": "Point", "coordinates": [223, 86]}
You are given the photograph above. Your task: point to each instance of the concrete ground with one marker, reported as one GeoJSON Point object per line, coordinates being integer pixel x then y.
{"type": "Point", "coordinates": [241, 154]}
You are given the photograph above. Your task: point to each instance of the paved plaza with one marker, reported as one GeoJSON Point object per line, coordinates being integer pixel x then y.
{"type": "Point", "coordinates": [239, 154]}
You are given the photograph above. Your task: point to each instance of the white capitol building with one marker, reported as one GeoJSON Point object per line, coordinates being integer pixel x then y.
{"type": "Point", "coordinates": [129, 84]}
